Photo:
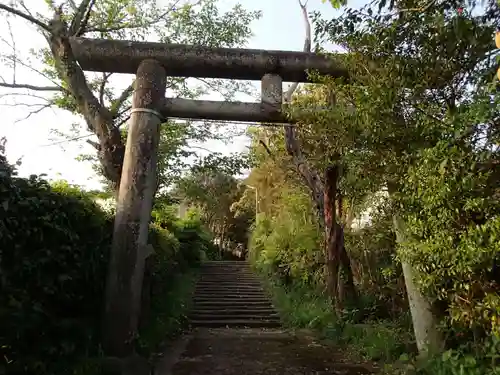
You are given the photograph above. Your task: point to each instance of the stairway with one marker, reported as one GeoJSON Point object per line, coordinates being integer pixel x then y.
{"type": "Point", "coordinates": [229, 295]}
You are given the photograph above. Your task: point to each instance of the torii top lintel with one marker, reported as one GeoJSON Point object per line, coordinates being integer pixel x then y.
{"type": "Point", "coordinates": [121, 56]}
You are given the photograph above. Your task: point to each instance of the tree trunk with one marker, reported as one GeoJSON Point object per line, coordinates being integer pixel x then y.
{"type": "Point", "coordinates": [111, 148]}
{"type": "Point", "coordinates": [310, 175]}
{"type": "Point", "coordinates": [346, 283]}
{"type": "Point", "coordinates": [332, 256]}
{"type": "Point", "coordinates": [347, 290]}
{"type": "Point", "coordinates": [332, 271]}
{"type": "Point", "coordinates": [339, 288]}
{"type": "Point", "coordinates": [425, 325]}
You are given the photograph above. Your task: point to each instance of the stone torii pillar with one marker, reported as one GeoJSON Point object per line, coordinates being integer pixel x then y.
{"type": "Point", "coordinates": [133, 212]}
{"type": "Point", "coordinates": [271, 90]}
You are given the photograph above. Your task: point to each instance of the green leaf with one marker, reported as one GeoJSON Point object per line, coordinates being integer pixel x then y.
{"type": "Point", "coordinates": [442, 166]}
{"type": "Point", "coordinates": [337, 4]}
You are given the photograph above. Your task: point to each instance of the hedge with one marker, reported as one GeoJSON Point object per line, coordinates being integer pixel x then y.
{"type": "Point", "coordinates": [54, 247]}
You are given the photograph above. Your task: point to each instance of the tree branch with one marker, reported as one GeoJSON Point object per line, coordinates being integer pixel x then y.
{"type": "Point", "coordinates": [306, 48]}
{"type": "Point", "coordinates": [125, 26]}
{"type": "Point", "coordinates": [419, 9]}
{"type": "Point", "coordinates": [122, 112]}
{"type": "Point", "coordinates": [9, 94]}
{"type": "Point", "coordinates": [16, 60]}
{"type": "Point", "coordinates": [115, 106]}
{"type": "Point", "coordinates": [14, 50]}
{"type": "Point", "coordinates": [29, 87]}
{"type": "Point", "coordinates": [102, 88]}
{"type": "Point", "coordinates": [308, 173]}
{"type": "Point", "coordinates": [266, 147]}
{"type": "Point", "coordinates": [119, 124]}
{"type": "Point", "coordinates": [34, 112]}
{"type": "Point", "coordinates": [81, 18]}
{"type": "Point", "coordinates": [27, 17]}
{"type": "Point", "coordinates": [94, 144]}
{"type": "Point", "coordinates": [23, 5]}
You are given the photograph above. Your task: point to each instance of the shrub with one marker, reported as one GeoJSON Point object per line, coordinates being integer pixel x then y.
{"type": "Point", "coordinates": [167, 283]}
{"type": "Point", "coordinates": [54, 246]}
{"type": "Point", "coordinates": [379, 278]}
{"type": "Point", "coordinates": [479, 362]}
{"type": "Point", "coordinates": [289, 245]}
{"type": "Point", "coordinates": [195, 241]}
{"type": "Point", "coordinates": [452, 210]}
{"type": "Point", "coordinates": [167, 250]}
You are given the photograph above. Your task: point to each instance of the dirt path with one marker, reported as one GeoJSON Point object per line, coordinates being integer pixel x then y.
{"type": "Point", "coordinates": [252, 352]}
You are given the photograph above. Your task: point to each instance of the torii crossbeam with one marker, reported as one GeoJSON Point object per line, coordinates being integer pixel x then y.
{"type": "Point", "coordinates": [180, 60]}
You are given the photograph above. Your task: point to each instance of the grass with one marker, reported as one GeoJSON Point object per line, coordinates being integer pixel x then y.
{"type": "Point", "coordinates": [301, 307]}
{"type": "Point", "coordinates": [168, 313]}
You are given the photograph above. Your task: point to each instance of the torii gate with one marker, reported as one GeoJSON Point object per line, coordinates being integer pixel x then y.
{"type": "Point", "coordinates": [152, 63]}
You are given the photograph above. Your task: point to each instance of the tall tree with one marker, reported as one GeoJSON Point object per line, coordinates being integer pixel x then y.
{"type": "Point", "coordinates": [93, 96]}
{"type": "Point", "coordinates": [418, 67]}
{"type": "Point", "coordinates": [326, 205]}
{"type": "Point", "coordinates": [211, 187]}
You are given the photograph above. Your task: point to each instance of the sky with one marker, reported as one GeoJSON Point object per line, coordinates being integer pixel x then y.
{"type": "Point", "coordinates": [35, 139]}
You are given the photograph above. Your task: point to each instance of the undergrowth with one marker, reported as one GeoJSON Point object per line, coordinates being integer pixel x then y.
{"type": "Point", "coordinates": [301, 307]}
{"type": "Point", "coordinates": [389, 343]}
{"type": "Point", "coordinates": [168, 313]}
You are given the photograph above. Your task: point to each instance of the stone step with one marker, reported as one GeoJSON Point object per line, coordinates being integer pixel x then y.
{"type": "Point", "coordinates": [230, 281]}
{"type": "Point", "coordinates": [225, 311]}
{"type": "Point", "coordinates": [228, 294]}
{"type": "Point", "coordinates": [235, 323]}
{"type": "Point", "coordinates": [229, 290]}
{"type": "Point", "coordinates": [226, 266]}
{"type": "Point", "coordinates": [227, 275]}
{"type": "Point", "coordinates": [269, 318]}
{"type": "Point", "coordinates": [229, 299]}
{"type": "Point", "coordinates": [208, 262]}
{"type": "Point", "coordinates": [232, 297]}
{"type": "Point", "coordinates": [216, 288]}
{"type": "Point", "coordinates": [225, 263]}
{"type": "Point", "coordinates": [228, 269]}
{"type": "Point", "coordinates": [233, 292]}
{"type": "Point", "coordinates": [235, 314]}
{"type": "Point", "coordinates": [233, 282]}
{"type": "Point", "coordinates": [232, 303]}
{"type": "Point", "coordinates": [227, 284]}
{"type": "Point", "coordinates": [225, 305]}
{"type": "Point", "coordinates": [239, 292]}
{"type": "Point", "coordinates": [221, 269]}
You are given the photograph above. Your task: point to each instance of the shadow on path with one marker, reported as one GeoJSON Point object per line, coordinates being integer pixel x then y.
{"type": "Point", "coordinates": [253, 352]}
